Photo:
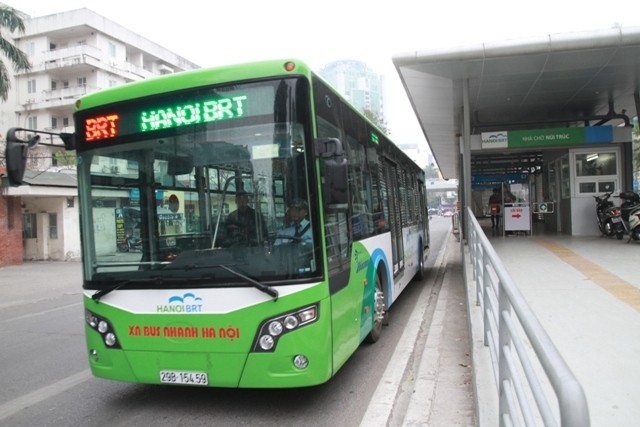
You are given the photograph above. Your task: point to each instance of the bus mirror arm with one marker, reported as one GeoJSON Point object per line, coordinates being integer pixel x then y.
{"type": "Point", "coordinates": [69, 139]}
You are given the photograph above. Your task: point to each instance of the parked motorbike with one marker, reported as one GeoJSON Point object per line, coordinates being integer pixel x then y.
{"type": "Point", "coordinates": [634, 225]}
{"type": "Point", "coordinates": [129, 243]}
{"type": "Point", "coordinates": [609, 217]}
{"type": "Point", "coordinates": [630, 213]}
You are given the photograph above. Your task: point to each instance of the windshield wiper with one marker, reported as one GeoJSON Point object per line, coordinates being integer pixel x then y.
{"type": "Point", "coordinates": [102, 292]}
{"type": "Point", "coordinates": [260, 286]}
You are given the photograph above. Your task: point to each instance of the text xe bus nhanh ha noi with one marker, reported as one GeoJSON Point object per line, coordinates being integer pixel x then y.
{"type": "Point", "coordinates": [209, 171]}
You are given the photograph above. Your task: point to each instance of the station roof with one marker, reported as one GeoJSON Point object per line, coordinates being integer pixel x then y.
{"type": "Point", "coordinates": [558, 80]}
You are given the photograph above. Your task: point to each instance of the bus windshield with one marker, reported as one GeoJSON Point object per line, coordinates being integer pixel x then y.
{"type": "Point", "coordinates": [221, 203]}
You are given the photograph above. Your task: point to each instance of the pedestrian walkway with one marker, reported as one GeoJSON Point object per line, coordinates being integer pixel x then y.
{"type": "Point", "coordinates": [443, 392]}
{"type": "Point", "coordinates": [585, 291]}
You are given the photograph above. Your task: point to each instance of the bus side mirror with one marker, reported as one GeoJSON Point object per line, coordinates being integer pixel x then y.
{"type": "Point", "coordinates": [16, 155]}
{"type": "Point", "coordinates": [328, 147]}
{"type": "Point", "coordinates": [334, 171]}
{"type": "Point", "coordinates": [16, 151]}
{"type": "Point", "coordinates": [69, 140]}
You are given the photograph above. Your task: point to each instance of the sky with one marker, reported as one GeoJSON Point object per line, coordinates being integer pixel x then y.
{"type": "Point", "coordinates": [225, 32]}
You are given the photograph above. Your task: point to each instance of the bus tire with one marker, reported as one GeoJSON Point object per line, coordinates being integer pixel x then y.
{"type": "Point", "coordinates": [380, 317]}
{"type": "Point", "coordinates": [421, 274]}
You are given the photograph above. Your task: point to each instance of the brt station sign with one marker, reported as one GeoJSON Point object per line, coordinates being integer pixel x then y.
{"type": "Point", "coordinates": [517, 216]}
{"type": "Point", "coordinates": [541, 138]}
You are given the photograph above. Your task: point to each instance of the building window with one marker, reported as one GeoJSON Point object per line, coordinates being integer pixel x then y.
{"type": "Point", "coordinates": [82, 81]}
{"type": "Point", "coordinates": [54, 123]}
{"type": "Point", "coordinates": [65, 84]}
{"type": "Point", "coordinates": [11, 216]}
{"type": "Point", "coordinates": [54, 85]}
{"type": "Point", "coordinates": [29, 229]}
{"type": "Point", "coordinates": [31, 86]}
{"type": "Point", "coordinates": [32, 122]}
{"type": "Point", "coordinates": [596, 164]}
{"type": "Point", "coordinates": [596, 172]}
{"type": "Point", "coordinates": [31, 49]}
{"type": "Point", "coordinates": [65, 122]}
{"type": "Point", "coordinates": [53, 226]}
{"type": "Point", "coordinates": [112, 50]}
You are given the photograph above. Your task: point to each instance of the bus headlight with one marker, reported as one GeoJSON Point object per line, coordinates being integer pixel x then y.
{"type": "Point", "coordinates": [110, 339]}
{"type": "Point", "coordinates": [103, 327]}
{"type": "Point", "coordinates": [272, 329]}
{"type": "Point", "coordinates": [275, 328]}
{"type": "Point", "coordinates": [266, 342]}
{"type": "Point", "coordinates": [291, 322]}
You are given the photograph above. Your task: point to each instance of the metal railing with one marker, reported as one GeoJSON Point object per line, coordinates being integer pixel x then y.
{"type": "Point", "coordinates": [511, 330]}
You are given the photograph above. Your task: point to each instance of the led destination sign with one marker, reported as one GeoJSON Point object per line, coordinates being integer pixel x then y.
{"type": "Point", "coordinates": [193, 113]}
{"type": "Point", "coordinates": [101, 127]}
{"type": "Point", "coordinates": [107, 126]}
{"type": "Point", "coordinates": [201, 107]}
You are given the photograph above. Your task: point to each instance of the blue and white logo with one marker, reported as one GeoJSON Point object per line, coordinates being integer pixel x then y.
{"type": "Point", "coordinates": [187, 303]}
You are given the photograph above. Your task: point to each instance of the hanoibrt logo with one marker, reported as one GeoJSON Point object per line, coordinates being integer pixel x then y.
{"type": "Point", "coordinates": [360, 265]}
{"type": "Point", "coordinates": [187, 303]}
{"type": "Point", "coordinates": [498, 139]}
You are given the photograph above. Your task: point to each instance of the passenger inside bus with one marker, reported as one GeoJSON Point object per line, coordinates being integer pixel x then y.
{"type": "Point", "coordinates": [244, 225]}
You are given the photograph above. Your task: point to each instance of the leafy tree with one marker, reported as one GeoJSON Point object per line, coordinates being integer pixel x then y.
{"type": "Point", "coordinates": [12, 21]}
{"type": "Point", "coordinates": [65, 158]}
{"type": "Point", "coordinates": [431, 171]}
{"type": "Point", "coordinates": [377, 120]}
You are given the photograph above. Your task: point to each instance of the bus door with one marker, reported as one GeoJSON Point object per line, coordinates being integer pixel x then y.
{"type": "Point", "coordinates": [391, 196]}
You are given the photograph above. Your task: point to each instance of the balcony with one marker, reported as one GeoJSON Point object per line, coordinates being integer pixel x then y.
{"type": "Point", "coordinates": [60, 60]}
{"type": "Point", "coordinates": [55, 98]}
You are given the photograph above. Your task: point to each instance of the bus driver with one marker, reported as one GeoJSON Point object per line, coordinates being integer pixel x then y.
{"type": "Point", "coordinates": [299, 229]}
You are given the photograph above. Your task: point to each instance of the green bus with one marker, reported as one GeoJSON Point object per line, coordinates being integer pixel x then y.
{"type": "Point", "coordinates": [208, 170]}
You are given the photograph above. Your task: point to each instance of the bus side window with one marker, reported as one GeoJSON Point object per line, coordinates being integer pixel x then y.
{"type": "Point", "coordinates": [337, 234]}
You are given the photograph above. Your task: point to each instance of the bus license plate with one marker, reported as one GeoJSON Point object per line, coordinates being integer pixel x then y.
{"type": "Point", "coordinates": [181, 377]}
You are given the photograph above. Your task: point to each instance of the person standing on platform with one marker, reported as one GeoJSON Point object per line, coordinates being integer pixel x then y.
{"type": "Point", "coordinates": [495, 203]}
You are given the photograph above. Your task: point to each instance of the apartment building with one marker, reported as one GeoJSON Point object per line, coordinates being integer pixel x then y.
{"type": "Point", "coordinates": [72, 53]}
{"type": "Point", "coordinates": [358, 83]}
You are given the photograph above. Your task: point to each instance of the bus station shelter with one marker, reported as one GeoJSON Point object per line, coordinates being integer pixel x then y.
{"type": "Point", "coordinates": [550, 119]}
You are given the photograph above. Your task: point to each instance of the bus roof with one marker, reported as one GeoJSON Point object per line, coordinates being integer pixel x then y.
{"type": "Point", "coordinates": [191, 79]}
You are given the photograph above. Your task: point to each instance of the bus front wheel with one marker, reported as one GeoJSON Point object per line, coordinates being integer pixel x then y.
{"type": "Point", "coordinates": [380, 315]}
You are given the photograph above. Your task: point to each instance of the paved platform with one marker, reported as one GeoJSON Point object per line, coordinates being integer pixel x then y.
{"type": "Point", "coordinates": [585, 292]}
